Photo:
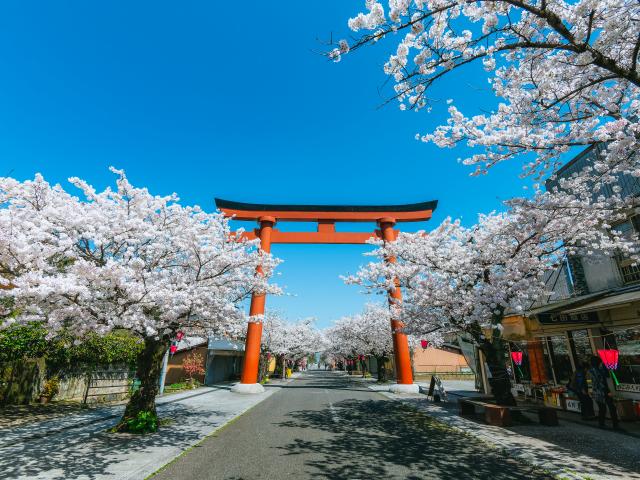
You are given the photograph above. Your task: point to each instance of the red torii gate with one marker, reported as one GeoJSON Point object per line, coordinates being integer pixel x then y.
{"type": "Point", "coordinates": [325, 216]}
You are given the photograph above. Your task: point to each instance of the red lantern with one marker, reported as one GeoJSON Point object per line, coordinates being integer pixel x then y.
{"type": "Point", "coordinates": [517, 358]}
{"type": "Point", "coordinates": [609, 358]}
{"type": "Point", "coordinates": [179, 336]}
{"type": "Point", "coordinates": [424, 343]}
{"type": "Point", "coordinates": [173, 349]}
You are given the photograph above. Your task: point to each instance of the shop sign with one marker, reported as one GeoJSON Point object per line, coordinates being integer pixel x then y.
{"type": "Point", "coordinates": [559, 317]}
{"type": "Point", "coordinates": [628, 387]}
{"type": "Point", "coordinates": [573, 405]}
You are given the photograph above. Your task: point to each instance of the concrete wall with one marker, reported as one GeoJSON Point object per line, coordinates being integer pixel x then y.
{"type": "Point", "coordinates": [21, 383]}
{"type": "Point", "coordinates": [106, 384]}
{"type": "Point", "coordinates": [435, 360]}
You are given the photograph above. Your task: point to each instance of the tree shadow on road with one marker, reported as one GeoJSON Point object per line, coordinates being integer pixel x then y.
{"type": "Point", "coordinates": [90, 452]}
{"type": "Point", "coordinates": [382, 439]}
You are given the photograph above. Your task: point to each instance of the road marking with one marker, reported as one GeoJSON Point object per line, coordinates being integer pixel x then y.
{"type": "Point", "coordinates": [332, 410]}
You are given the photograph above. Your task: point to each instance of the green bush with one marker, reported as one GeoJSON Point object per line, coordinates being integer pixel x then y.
{"type": "Point", "coordinates": [64, 351]}
{"type": "Point", "coordinates": [145, 422]}
{"type": "Point", "coordinates": [51, 387]}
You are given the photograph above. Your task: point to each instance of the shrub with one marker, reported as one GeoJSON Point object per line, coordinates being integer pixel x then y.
{"type": "Point", "coordinates": [51, 387]}
{"type": "Point", "coordinates": [192, 365]}
{"type": "Point", "coordinates": [144, 422]}
{"type": "Point", "coordinates": [64, 351]}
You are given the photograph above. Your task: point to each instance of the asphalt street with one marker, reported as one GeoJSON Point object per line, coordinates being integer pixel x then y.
{"type": "Point", "coordinates": [325, 425]}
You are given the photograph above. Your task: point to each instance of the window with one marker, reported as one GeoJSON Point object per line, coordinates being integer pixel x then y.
{"type": "Point", "coordinates": [629, 271]}
{"type": "Point", "coordinates": [628, 343]}
{"type": "Point", "coordinates": [558, 351]}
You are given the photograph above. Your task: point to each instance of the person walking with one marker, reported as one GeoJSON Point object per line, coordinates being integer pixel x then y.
{"type": "Point", "coordinates": [601, 393]}
{"type": "Point", "coordinates": [578, 385]}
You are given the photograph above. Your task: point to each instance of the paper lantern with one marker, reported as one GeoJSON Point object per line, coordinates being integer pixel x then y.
{"type": "Point", "coordinates": [179, 336]}
{"type": "Point", "coordinates": [173, 349]}
{"type": "Point", "coordinates": [517, 358]}
{"type": "Point", "coordinates": [424, 343]}
{"type": "Point", "coordinates": [609, 358]}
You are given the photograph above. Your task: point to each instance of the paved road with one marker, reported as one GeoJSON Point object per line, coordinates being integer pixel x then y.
{"type": "Point", "coordinates": [323, 425]}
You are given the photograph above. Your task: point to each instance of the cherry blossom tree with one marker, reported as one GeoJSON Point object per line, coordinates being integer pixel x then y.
{"type": "Point", "coordinates": [126, 259]}
{"type": "Point", "coordinates": [290, 341]}
{"type": "Point", "coordinates": [565, 73]}
{"type": "Point", "coordinates": [272, 341]}
{"type": "Point", "coordinates": [458, 279]}
{"type": "Point", "coordinates": [366, 333]}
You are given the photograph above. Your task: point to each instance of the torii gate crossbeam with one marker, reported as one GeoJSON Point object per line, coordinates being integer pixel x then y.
{"type": "Point", "coordinates": [326, 217]}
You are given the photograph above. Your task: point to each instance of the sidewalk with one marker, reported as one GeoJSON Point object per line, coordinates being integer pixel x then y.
{"type": "Point", "coordinates": [77, 446]}
{"type": "Point", "coordinates": [570, 451]}
{"type": "Point", "coordinates": [457, 389]}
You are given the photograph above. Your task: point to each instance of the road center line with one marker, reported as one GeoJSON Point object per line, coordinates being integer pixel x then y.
{"type": "Point", "coordinates": [332, 410]}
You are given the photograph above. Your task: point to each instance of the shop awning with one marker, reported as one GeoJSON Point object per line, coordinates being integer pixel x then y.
{"type": "Point", "coordinates": [563, 305]}
{"type": "Point", "coordinates": [606, 303]}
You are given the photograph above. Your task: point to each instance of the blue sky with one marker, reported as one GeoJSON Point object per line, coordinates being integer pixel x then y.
{"type": "Point", "coordinates": [208, 99]}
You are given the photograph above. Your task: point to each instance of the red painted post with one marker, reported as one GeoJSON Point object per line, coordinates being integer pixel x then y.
{"type": "Point", "coordinates": [254, 330]}
{"type": "Point", "coordinates": [400, 344]}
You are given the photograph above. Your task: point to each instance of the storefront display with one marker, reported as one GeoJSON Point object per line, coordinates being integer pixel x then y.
{"type": "Point", "coordinates": [554, 397]}
{"type": "Point", "coordinates": [628, 345]}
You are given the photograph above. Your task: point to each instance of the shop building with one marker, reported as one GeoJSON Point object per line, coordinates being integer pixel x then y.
{"type": "Point", "coordinates": [591, 305]}
{"type": "Point", "coordinates": [221, 360]}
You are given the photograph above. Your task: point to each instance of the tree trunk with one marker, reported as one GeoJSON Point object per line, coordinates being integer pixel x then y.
{"type": "Point", "coordinates": [149, 368]}
{"type": "Point", "coordinates": [263, 367]}
{"type": "Point", "coordinates": [382, 369]}
{"type": "Point", "coordinates": [86, 390]}
{"type": "Point", "coordinates": [495, 356]}
{"type": "Point", "coordinates": [283, 365]}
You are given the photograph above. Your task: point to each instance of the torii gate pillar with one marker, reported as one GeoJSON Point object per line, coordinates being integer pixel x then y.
{"type": "Point", "coordinates": [402, 356]}
{"type": "Point", "coordinates": [325, 216]}
{"type": "Point", "coordinates": [249, 378]}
